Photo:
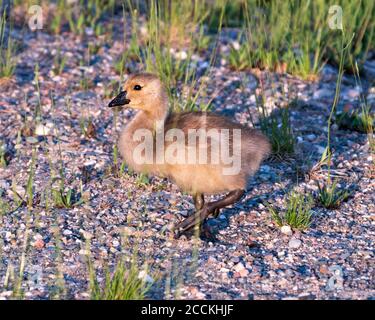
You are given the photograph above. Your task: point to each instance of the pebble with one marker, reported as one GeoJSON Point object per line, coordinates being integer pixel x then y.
{"type": "Point", "coordinates": [265, 168]}
{"type": "Point", "coordinates": [235, 259]}
{"type": "Point", "coordinates": [87, 235]}
{"type": "Point", "coordinates": [352, 93]}
{"type": "Point", "coordinates": [241, 270]}
{"type": "Point", "coordinates": [43, 130]}
{"type": "Point", "coordinates": [39, 244]}
{"type": "Point", "coordinates": [181, 55]}
{"type": "Point", "coordinates": [236, 45]}
{"type": "Point", "coordinates": [32, 140]}
{"type": "Point", "coordinates": [324, 269]}
{"type": "Point", "coordinates": [311, 137]}
{"type": "Point", "coordinates": [320, 149]}
{"type": "Point", "coordinates": [287, 230]}
{"type": "Point", "coordinates": [4, 184]}
{"type": "Point", "coordinates": [19, 189]}
{"type": "Point", "coordinates": [145, 277]}
{"type": "Point", "coordinates": [281, 254]}
{"type": "Point", "coordinates": [323, 93]}
{"type": "Point", "coordinates": [67, 232]}
{"type": "Point", "coordinates": [294, 243]}
{"type": "Point", "coordinates": [89, 163]}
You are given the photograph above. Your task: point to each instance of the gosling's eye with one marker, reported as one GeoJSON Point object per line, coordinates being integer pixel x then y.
{"type": "Point", "coordinates": [137, 87]}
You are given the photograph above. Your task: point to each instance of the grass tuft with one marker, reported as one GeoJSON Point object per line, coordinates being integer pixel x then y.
{"type": "Point", "coordinates": [7, 50]}
{"type": "Point", "coordinates": [330, 197]}
{"type": "Point", "coordinates": [298, 213]}
{"type": "Point", "coordinates": [59, 63]}
{"type": "Point", "coordinates": [361, 121]}
{"type": "Point", "coordinates": [124, 283]}
{"type": "Point", "coordinates": [278, 129]}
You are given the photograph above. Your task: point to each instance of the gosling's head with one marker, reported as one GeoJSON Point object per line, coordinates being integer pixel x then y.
{"type": "Point", "coordinates": [142, 91]}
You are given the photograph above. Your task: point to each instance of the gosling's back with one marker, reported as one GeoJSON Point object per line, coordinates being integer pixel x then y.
{"type": "Point", "coordinates": [252, 148]}
{"type": "Point", "coordinates": [196, 177]}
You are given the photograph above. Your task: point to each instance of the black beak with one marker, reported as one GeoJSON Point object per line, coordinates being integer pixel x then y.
{"type": "Point", "coordinates": [120, 100]}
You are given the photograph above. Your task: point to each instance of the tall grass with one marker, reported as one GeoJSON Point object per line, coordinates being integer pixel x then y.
{"type": "Point", "coordinates": [298, 212]}
{"type": "Point", "coordinates": [328, 195]}
{"type": "Point", "coordinates": [276, 125]}
{"type": "Point", "coordinates": [124, 283]}
{"type": "Point", "coordinates": [174, 35]}
{"type": "Point", "coordinates": [7, 48]}
{"type": "Point", "coordinates": [345, 47]}
{"type": "Point", "coordinates": [87, 14]}
{"type": "Point", "coordinates": [127, 281]}
{"type": "Point", "coordinates": [296, 34]}
{"type": "Point", "coordinates": [292, 36]}
{"type": "Point", "coordinates": [361, 119]}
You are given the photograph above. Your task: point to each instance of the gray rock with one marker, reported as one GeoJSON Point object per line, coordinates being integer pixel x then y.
{"type": "Point", "coordinates": [294, 243]}
{"type": "Point", "coordinates": [286, 230]}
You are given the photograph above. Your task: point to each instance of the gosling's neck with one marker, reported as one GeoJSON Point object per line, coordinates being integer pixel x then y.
{"type": "Point", "coordinates": [151, 117]}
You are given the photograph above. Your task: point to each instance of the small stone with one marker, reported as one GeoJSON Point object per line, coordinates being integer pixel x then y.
{"type": "Point", "coordinates": [294, 243]}
{"type": "Point", "coordinates": [281, 254]}
{"type": "Point", "coordinates": [181, 55]}
{"type": "Point", "coordinates": [86, 235]}
{"type": "Point", "coordinates": [239, 266]}
{"type": "Point", "coordinates": [323, 93]}
{"type": "Point", "coordinates": [89, 163]}
{"type": "Point", "coordinates": [236, 45]}
{"type": "Point", "coordinates": [39, 244]}
{"type": "Point", "coordinates": [4, 184]}
{"type": "Point", "coordinates": [128, 231]}
{"type": "Point", "coordinates": [286, 230]}
{"type": "Point", "coordinates": [323, 269]}
{"type": "Point", "coordinates": [320, 149]}
{"type": "Point", "coordinates": [145, 277]}
{"type": "Point", "coordinates": [43, 130]}
{"type": "Point", "coordinates": [353, 93]}
{"type": "Point", "coordinates": [184, 213]}
{"type": "Point", "coordinates": [7, 293]}
{"type": "Point", "coordinates": [67, 232]}
{"type": "Point", "coordinates": [211, 260]}
{"type": "Point", "coordinates": [235, 259]}
{"type": "Point", "coordinates": [16, 191]}
{"type": "Point", "coordinates": [244, 273]}
{"type": "Point", "coordinates": [311, 137]}
{"type": "Point", "coordinates": [8, 235]}
{"type": "Point", "coordinates": [283, 282]}
{"type": "Point", "coordinates": [32, 140]}
{"type": "Point", "coordinates": [268, 257]}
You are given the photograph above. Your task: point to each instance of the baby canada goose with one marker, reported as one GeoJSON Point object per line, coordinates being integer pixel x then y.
{"type": "Point", "coordinates": [203, 153]}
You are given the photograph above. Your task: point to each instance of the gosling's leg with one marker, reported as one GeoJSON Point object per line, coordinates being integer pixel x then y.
{"type": "Point", "coordinates": [207, 209]}
{"type": "Point", "coordinates": [198, 199]}
{"type": "Point", "coordinates": [231, 198]}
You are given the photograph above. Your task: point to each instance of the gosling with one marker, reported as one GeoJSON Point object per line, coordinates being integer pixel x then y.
{"type": "Point", "coordinates": [159, 142]}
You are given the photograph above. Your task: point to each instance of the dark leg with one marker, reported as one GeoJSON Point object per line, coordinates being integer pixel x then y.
{"type": "Point", "coordinates": [232, 197]}
{"type": "Point", "coordinates": [207, 209]}
{"type": "Point", "coordinates": [198, 201]}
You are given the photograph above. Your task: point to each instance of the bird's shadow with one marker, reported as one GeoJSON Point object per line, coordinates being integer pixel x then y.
{"type": "Point", "coordinates": [301, 165]}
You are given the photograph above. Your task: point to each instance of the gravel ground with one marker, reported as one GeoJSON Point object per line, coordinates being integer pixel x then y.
{"type": "Point", "coordinates": [252, 258]}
